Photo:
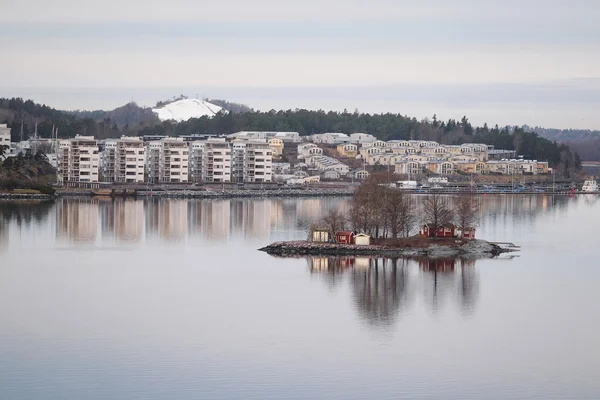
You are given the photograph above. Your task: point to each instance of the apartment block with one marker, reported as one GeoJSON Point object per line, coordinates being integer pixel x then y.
{"type": "Point", "coordinates": [4, 135]}
{"type": "Point", "coordinates": [5, 139]}
{"type": "Point", "coordinates": [78, 160]}
{"type": "Point", "coordinates": [123, 160]}
{"type": "Point", "coordinates": [167, 161]}
{"type": "Point", "coordinates": [252, 161]}
{"type": "Point", "coordinates": [210, 161]}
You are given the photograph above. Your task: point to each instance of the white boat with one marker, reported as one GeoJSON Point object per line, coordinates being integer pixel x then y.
{"type": "Point", "coordinates": [590, 186]}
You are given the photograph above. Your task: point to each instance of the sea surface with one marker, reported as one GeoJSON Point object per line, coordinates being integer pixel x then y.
{"type": "Point", "coordinates": [170, 299]}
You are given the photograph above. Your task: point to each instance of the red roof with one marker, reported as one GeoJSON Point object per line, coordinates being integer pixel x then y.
{"type": "Point", "coordinates": [345, 233]}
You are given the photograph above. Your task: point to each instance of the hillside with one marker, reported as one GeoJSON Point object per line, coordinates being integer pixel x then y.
{"type": "Point", "coordinates": [17, 113]}
{"type": "Point", "coordinates": [584, 141]}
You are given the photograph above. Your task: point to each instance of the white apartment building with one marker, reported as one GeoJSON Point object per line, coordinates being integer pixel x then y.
{"type": "Point", "coordinates": [324, 163]}
{"type": "Point", "coordinates": [293, 137]}
{"type": "Point", "coordinates": [210, 161]}
{"type": "Point", "coordinates": [123, 160]}
{"type": "Point", "coordinates": [5, 139]}
{"type": "Point", "coordinates": [330, 138]}
{"type": "Point", "coordinates": [252, 161]}
{"type": "Point", "coordinates": [4, 135]}
{"type": "Point", "coordinates": [360, 138]}
{"type": "Point", "coordinates": [78, 160]}
{"type": "Point", "coordinates": [306, 150]}
{"type": "Point", "coordinates": [168, 161]}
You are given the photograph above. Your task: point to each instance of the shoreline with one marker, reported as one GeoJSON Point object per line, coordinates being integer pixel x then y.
{"type": "Point", "coordinates": [472, 247]}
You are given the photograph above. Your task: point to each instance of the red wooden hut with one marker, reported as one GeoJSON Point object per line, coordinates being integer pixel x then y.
{"type": "Point", "coordinates": [468, 233]}
{"type": "Point", "coordinates": [344, 237]}
{"type": "Point", "coordinates": [448, 230]}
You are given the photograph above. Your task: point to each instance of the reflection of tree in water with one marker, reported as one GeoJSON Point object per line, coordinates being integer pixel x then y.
{"type": "Point", "coordinates": [379, 290]}
{"type": "Point", "coordinates": [382, 288]}
{"type": "Point", "coordinates": [447, 277]}
{"type": "Point", "coordinates": [25, 212]}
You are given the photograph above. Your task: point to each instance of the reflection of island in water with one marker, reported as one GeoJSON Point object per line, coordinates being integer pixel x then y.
{"type": "Point", "coordinates": [383, 287]}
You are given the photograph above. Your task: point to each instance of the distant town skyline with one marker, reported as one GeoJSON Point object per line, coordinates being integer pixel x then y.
{"type": "Point", "coordinates": [512, 62]}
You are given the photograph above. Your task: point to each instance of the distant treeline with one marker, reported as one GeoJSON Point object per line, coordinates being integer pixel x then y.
{"type": "Point", "coordinates": [584, 141]}
{"type": "Point", "coordinates": [384, 126]}
{"type": "Point", "coordinates": [134, 120]}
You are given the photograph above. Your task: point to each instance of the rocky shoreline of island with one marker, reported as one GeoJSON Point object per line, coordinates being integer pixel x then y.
{"type": "Point", "coordinates": [431, 248]}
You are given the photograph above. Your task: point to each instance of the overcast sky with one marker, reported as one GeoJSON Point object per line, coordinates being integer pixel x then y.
{"type": "Point", "coordinates": [506, 62]}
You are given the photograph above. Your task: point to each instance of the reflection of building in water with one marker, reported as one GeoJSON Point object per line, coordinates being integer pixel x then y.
{"type": "Point", "coordinates": [251, 218]}
{"type": "Point", "coordinates": [330, 263]}
{"type": "Point", "coordinates": [438, 264]}
{"type": "Point", "coordinates": [3, 233]}
{"type": "Point", "coordinates": [311, 210]}
{"type": "Point", "coordinates": [129, 220]}
{"type": "Point", "coordinates": [123, 219]}
{"type": "Point", "coordinates": [77, 220]}
{"type": "Point", "coordinates": [172, 219]}
{"type": "Point", "coordinates": [107, 216]}
{"type": "Point", "coordinates": [210, 218]}
{"type": "Point", "coordinates": [277, 215]}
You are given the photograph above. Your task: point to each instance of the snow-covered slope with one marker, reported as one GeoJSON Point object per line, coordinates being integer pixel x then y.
{"type": "Point", "coordinates": [182, 110]}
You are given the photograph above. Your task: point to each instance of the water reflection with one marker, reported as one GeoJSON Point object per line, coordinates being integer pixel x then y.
{"type": "Point", "coordinates": [384, 288]}
{"type": "Point", "coordinates": [176, 221]}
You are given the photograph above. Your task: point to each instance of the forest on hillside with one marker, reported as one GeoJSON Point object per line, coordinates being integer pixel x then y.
{"type": "Point", "coordinates": [22, 115]}
{"type": "Point", "coordinates": [585, 142]}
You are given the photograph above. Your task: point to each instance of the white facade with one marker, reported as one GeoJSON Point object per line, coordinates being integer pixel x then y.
{"type": "Point", "coordinates": [210, 161]}
{"type": "Point", "coordinates": [325, 163]}
{"type": "Point", "coordinates": [4, 135]}
{"type": "Point", "coordinates": [308, 150]}
{"type": "Point", "coordinates": [293, 137]}
{"type": "Point", "coordinates": [360, 138]}
{"type": "Point", "coordinates": [252, 161]}
{"type": "Point", "coordinates": [168, 161]}
{"type": "Point", "coordinates": [78, 160]}
{"type": "Point", "coordinates": [5, 140]}
{"type": "Point", "coordinates": [330, 138]}
{"type": "Point", "coordinates": [123, 160]}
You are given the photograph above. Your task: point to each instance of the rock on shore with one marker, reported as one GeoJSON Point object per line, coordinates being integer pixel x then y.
{"type": "Point", "coordinates": [473, 247]}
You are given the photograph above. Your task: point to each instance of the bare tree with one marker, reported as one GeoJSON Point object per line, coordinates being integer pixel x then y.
{"type": "Point", "coordinates": [467, 212]}
{"type": "Point", "coordinates": [398, 211]}
{"type": "Point", "coordinates": [437, 211]}
{"type": "Point", "coordinates": [366, 211]}
{"type": "Point", "coordinates": [334, 221]}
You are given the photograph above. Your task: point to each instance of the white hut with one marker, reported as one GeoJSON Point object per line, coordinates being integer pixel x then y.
{"type": "Point", "coordinates": [362, 240]}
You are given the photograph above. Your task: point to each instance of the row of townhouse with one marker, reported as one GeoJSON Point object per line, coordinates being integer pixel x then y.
{"type": "Point", "coordinates": [325, 163]}
{"type": "Point", "coordinates": [167, 160]}
{"type": "Point", "coordinates": [335, 138]}
{"type": "Point", "coordinates": [411, 165]}
{"type": "Point", "coordinates": [372, 152]}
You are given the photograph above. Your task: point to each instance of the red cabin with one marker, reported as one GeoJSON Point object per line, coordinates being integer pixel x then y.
{"type": "Point", "coordinates": [448, 230]}
{"type": "Point", "coordinates": [468, 233]}
{"type": "Point", "coordinates": [344, 237]}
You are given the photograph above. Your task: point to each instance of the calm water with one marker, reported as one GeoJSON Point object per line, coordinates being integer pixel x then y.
{"type": "Point", "coordinates": [170, 299]}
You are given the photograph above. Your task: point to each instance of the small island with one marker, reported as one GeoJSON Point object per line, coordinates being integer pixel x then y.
{"type": "Point", "coordinates": [410, 247]}
{"type": "Point", "coordinates": [382, 221]}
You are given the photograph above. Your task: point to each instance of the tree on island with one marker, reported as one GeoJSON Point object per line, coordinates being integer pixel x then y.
{"type": "Point", "coordinates": [334, 221]}
{"type": "Point", "coordinates": [467, 212]}
{"type": "Point", "coordinates": [437, 211]}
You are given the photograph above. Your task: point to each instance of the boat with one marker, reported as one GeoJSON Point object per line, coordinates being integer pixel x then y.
{"type": "Point", "coordinates": [590, 186]}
